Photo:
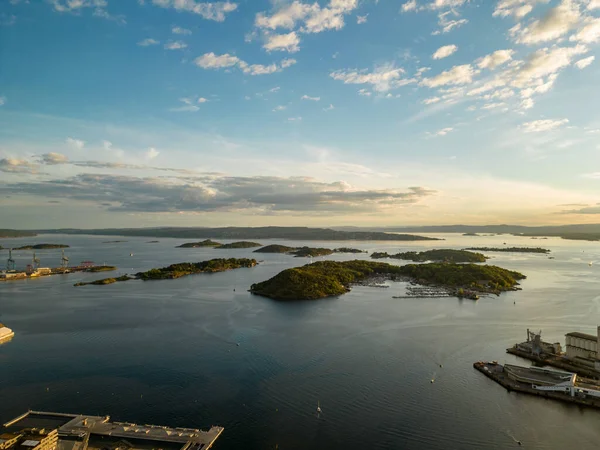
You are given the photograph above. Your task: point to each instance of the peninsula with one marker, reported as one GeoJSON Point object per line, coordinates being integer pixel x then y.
{"type": "Point", "coordinates": [510, 249]}
{"type": "Point", "coordinates": [331, 278]}
{"type": "Point", "coordinates": [41, 247]}
{"type": "Point", "coordinates": [455, 256]}
{"type": "Point", "coordinates": [105, 281]}
{"type": "Point", "coordinates": [16, 233]}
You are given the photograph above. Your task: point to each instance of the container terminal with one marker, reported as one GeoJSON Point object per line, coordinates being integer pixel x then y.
{"type": "Point", "coordinates": [33, 270]}
{"type": "Point", "coordinates": [547, 383]}
{"type": "Point", "coordinates": [581, 355]}
{"type": "Point", "coordinates": [36, 430]}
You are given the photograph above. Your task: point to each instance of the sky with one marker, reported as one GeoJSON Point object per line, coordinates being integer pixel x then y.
{"type": "Point", "coordinates": [136, 113]}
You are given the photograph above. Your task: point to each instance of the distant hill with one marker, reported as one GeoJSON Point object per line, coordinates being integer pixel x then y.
{"type": "Point", "coordinates": [294, 233]}
{"type": "Point", "coordinates": [588, 232]}
{"type": "Point", "coordinates": [16, 233]}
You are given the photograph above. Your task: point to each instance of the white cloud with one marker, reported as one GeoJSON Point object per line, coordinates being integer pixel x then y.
{"type": "Point", "coordinates": [457, 75]}
{"type": "Point", "coordinates": [446, 24]}
{"type": "Point", "coordinates": [310, 18]}
{"type": "Point", "coordinates": [314, 99]}
{"type": "Point", "coordinates": [152, 153]}
{"type": "Point", "coordinates": [208, 10]}
{"type": "Point", "coordinates": [488, 106]}
{"type": "Point", "coordinates": [516, 8]}
{"type": "Point", "coordinates": [444, 52]}
{"type": "Point", "coordinates": [495, 59]}
{"type": "Point", "coordinates": [175, 45]}
{"type": "Point", "coordinates": [53, 159]}
{"type": "Point", "coordinates": [282, 42]}
{"type": "Point", "coordinates": [583, 63]}
{"type": "Point", "coordinates": [593, 4]}
{"type": "Point", "coordinates": [329, 108]}
{"type": "Point", "coordinates": [189, 104]}
{"type": "Point", "coordinates": [410, 5]}
{"type": "Point", "coordinates": [589, 33]}
{"type": "Point", "coordinates": [364, 92]}
{"type": "Point", "coordinates": [557, 22]}
{"type": "Point", "coordinates": [382, 79]}
{"type": "Point", "coordinates": [443, 131]}
{"type": "Point", "coordinates": [275, 89]}
{"type": "Point", "coordinates": [212, 61]}
{"type": "Point", "coordinates": [294, 119]}
{"type": "Point", "coordinates": [545, 62]}
{"type": "Point", "coordinates": [77, 144]}
{"type": "Point", "coordinates": [179, 30]}
{"type": "Point", "coordinates": [538, 126]}
{"type": "Point", "coordinates": [526, 104]}
{"type": "Point", "coordinates": [431, 100]}
{"type": "Point", "coordinates": [361, 19]}
{"type": "Point", "coordinates": [2, 101]}
{"type": "Point", "coordinates": [147, 42]}
{"type": "Point", "coordinates": [75, 6]}
{"type": "Point", "coordinates": [279, 108]}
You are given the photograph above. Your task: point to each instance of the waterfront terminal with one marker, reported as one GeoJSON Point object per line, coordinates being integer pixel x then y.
{"type": "Point", "coordinates": [37, 430]}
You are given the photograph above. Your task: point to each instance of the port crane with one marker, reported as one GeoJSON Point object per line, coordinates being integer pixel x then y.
{"type": "Point", "coordinates": [64, 261]}
{"type": "Point", "coordinates": [10, 264]}
{"type": "Point", "coordinates": [35, 262]}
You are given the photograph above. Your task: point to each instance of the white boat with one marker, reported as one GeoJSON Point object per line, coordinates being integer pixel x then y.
{"type": "Point", "coordinates": [319, 411]}
{"type": "Point", "coordinates": [5, 333]}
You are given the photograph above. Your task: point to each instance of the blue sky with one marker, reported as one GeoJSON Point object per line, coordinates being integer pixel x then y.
{"type": "Point", "coordinates": [337, 112]}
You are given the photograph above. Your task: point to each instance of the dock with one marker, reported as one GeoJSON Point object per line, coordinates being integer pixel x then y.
{"type": "Point", "coordinates": [546, 383]}
{"type": "Point", "coordinates": [44, 272]}
{"type": "Point", "coordinates": [82, 432]}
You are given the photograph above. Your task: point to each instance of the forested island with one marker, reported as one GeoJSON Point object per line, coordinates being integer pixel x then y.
{"type": "Point", "coordinates": [101, 269]}
{"type": "Point", "coordinates": [183, 269]}
{"type": "Point", "coordinates": [204, 243]}
{"type": "Point", "coordinates": [348, 250]}
{"type": "Point", "coordinates": [104, 281]}
{"type": "Point", "coordinates": [275, 248]}
{"type": "Point", "coordinates": [331, 278]}
{"type": "Point", "coordinates": [250, 233]}
{"type": "Point", "coordinates": [240, 244]}
{"type": "Point", "coordinates": [180, 270]}
{"type": "Point", "coordinates": [510, 249]}
{"type": "Point", "coordinates": [305, 252]}
{"type": "Point", "coordinates": [449, 255]}
{"type": "Point", "coordinates": [41, 247]}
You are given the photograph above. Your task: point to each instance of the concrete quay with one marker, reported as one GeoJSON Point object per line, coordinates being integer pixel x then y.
{"type": "Point", "coordinates": [555, 385]}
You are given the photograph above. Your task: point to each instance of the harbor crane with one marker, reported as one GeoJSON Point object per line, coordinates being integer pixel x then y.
{"type": "Point", "coordinates": [35, 262]}
{"type": "Point", "coordinates": [10, 264]}
{"type": "Point", "coordinates": [64, 261]}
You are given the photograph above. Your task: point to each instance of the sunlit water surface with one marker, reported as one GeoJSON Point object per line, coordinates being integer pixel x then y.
{"type": "Point", "coordinates": [165, 352]}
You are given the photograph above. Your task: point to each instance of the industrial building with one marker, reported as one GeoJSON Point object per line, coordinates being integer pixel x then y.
{"type": "Point", "coordinates": [36, 430]}
{"type": "Point", "coordinates": [582, 349]}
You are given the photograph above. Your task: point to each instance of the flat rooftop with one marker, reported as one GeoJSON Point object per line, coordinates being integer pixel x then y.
{"type": "Point", "coordinates": [545, 376]}
{"type": "Point", "coordinates": [103, 433]}
{"type": "Point", "coordinates": [577, 334]}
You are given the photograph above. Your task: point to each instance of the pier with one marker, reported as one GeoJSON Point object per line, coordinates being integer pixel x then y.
{"type": "Point", "coordinates": [546, 383]}
{"type": "Point", "coordinates": [49, 430]}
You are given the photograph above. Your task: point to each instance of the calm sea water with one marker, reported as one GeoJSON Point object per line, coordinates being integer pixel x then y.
{"type": "Point", "coordinates": [165, 352]}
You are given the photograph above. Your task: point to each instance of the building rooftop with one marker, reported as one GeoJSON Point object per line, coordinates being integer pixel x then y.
{"type": "Point", "coordinates": [577, 334]}
{"type": "Point", "coordinates": [541, 375]}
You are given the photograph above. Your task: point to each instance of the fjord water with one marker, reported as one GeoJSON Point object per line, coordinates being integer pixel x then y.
{"type": "Point", "coordinates": [164, 352]}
